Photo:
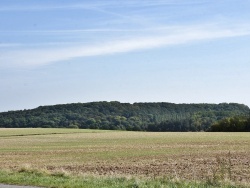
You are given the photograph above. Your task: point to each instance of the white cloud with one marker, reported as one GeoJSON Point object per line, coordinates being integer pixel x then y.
{"type": "Point", "coordinates": [176, 35]}
{"type": "Point", "coordinates": [4, 45]}
{"type": "Point", "coordinates": [98, 4]}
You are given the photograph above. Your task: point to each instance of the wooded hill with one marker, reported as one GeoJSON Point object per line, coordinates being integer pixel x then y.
{"type": "Point", "coordinates": [125, 116]}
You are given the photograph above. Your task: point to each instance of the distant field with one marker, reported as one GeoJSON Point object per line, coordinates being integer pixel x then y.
{"type": "Point", "coordinates": [41, 131]}
{"type": "Point", "coordinates": [185, 156]}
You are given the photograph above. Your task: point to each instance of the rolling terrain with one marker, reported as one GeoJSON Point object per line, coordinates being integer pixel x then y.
{"type": "Point", "coordinates": [156, 117]}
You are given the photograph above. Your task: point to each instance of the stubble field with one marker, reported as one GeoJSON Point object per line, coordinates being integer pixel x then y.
{"type": "Point", "coordinates": [206, 157]}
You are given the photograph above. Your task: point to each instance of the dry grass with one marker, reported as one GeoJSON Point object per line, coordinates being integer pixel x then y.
{"type": "Point", "coordinates": [192, 156]}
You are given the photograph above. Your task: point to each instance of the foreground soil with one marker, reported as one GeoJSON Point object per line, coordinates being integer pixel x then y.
{"type": "Point", "coordinates": [236, 168]}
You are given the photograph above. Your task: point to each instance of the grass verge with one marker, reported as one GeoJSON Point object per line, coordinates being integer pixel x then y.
{"type": "Point", "coordinates": [61, 180]}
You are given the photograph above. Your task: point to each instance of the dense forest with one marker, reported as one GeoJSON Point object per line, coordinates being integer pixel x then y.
{"type": "Point", "coordinates": [126, 116]}
{"type": "Point", "coordinates": [232, 124]}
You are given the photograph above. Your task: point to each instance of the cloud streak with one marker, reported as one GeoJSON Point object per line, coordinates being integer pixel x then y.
{"type": "Point", "coordinates": [99, 4]}
{"type": "Point", "coordinates": [180, 35]}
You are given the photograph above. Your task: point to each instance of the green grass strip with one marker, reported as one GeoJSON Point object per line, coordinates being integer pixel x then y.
{"type": "Point", "coordinates": [60, 180]}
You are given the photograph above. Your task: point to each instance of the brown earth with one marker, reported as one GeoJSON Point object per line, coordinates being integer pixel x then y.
{"type": "Point", "coordinates": [223, 166]}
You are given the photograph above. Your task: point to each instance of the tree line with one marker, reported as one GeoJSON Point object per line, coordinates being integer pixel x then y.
{"type": "Point", "coordinates": [125, 116]}
{"type": "Point", "coordinates": [232, 124]}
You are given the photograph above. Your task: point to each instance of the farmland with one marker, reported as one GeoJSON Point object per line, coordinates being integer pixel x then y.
{"type": "Point", "coordinates": [196, 156]}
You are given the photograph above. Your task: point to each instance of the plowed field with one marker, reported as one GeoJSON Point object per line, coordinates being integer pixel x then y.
{"type": "Point", "coordinates": [191, 156]}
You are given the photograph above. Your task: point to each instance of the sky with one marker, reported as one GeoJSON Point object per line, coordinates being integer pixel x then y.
{"type": "Point", "coordinates": [178, 51]}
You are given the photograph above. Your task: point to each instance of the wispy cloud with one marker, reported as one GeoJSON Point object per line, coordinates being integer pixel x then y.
{"type": "Point", "coordinates": [42, 7]}
{"type": "Point", "coordinates": [180, 35]}
{"type": "Point", "coordinates": [99, 4]}
{"type": "Point", "coordinates": [5, 45]}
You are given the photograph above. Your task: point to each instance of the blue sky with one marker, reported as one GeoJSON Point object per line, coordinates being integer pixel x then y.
{"type": "Point", "coordinates": [180, 51]}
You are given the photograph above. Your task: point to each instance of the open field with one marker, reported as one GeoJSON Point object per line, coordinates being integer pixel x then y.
{"type": "Point", "coordinates": [206, 157]}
